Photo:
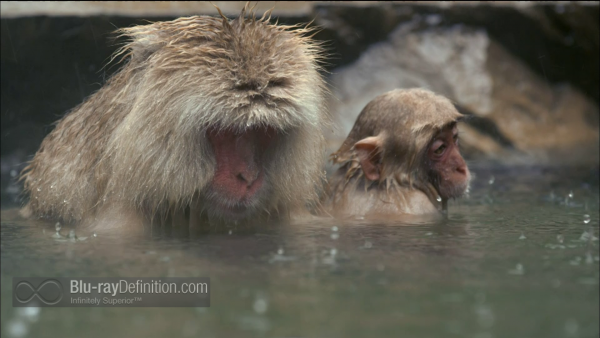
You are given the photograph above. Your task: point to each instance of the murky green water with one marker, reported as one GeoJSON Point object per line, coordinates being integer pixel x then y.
{"type": "Point", "coordinates": [513, 260]}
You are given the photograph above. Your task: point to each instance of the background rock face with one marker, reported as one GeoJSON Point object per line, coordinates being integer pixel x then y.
{"type": "Point", "coordinates": [447, 61]}
{"type": "Point", "coordinates": [528, 73]}
{"type": "Point", "coordinates": [515, 114]}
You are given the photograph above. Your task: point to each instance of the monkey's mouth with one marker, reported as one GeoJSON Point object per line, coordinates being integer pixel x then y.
{"type": "Point", "coordinates": [226, 208]}
{"type": "Point", "coordinates": [239, 179]}
{"type": "Point", "coordinates": [455, 187]}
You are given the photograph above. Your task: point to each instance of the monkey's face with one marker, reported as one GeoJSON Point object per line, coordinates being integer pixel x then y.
{"type": "Point", "coordinates": [239, 186]}
{"type": "Point", "coordinates": [447, 169]}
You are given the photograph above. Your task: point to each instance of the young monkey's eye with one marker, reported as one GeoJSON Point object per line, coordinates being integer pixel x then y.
{"type": "Point", "coordinates": [440, 150]}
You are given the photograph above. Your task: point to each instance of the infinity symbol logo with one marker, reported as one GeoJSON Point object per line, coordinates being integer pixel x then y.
{"type": "Point", "coordinates": [49, 292]}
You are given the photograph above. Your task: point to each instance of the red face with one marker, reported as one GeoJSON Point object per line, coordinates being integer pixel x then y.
{"type": "Point", "coordinates": [238, 184]}
{"type": "Point", "coordinates": [447, 169]}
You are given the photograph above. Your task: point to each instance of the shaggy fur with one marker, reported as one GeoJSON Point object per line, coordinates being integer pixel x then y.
{"type": "Point", "coordinates": [407, 119]}
{"type": "Point", "coordinates": [139, 142]}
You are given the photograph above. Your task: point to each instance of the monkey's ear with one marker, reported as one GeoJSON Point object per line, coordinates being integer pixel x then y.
{"type": "Point", "coordinates": [369, 152]}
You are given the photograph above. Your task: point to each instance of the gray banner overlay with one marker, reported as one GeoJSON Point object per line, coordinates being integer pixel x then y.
{"type": "Point", "coordinates": [111, 292]}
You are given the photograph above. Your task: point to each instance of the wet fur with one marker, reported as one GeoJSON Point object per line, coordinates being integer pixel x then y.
{"type": "Point", "coordinates": [138, 144]}
{"type": "Point", "coordinates": [409, 118]}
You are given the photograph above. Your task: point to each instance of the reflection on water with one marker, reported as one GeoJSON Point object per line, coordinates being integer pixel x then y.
{"type": "Point", "coordinates": [518, 258]}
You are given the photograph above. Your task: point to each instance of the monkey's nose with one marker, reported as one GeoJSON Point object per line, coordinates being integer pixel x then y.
{"type": "Point", "coordinates": [462, 169]}
{"type": "Point", "coordinates": [248, 176]}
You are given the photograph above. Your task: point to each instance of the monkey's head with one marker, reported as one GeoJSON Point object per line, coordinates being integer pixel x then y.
{"type": "Point", "coordinates": [410, 136]}
{"type": "Point", "coordinates": [226, 112]}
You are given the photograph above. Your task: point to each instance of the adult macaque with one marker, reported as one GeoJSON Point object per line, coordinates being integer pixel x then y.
{"type": "Point", "coordinates": [401, 157]}
{"type": "Point", "coordinates": [209, 119]}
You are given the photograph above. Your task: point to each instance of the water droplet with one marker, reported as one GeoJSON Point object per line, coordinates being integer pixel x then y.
{"type": "Point", "coordinates": [39, 189]}
{"type": "Point", "coordinates": [571, 327]}
{"type": "Point", "coordinates": [13, 173]}
{"type": "Point", "coordinates": [518, 270]}
{"type": "Point", "coordinates": [31, 313]}
{"type": "Point", "coordinates": [586, 219]}
{"type": "Point", "coordinates": [260, 306]}
{"type": "Point", "coordinates": [280, 251]}
{"type": "Point", "coordinates": [57, 226]}
{"type": "Point", "coordinates": [17, 328]}
{"type": "Point", "coordinates": [335, 236]}
{"type": "Point", "coordinates": [522, 236]}
{"type": "Point", "coordinates": [66, 202]}
{"type": "Point", "coordinates": [95, 235]}
{"type": "Point", "coordinates": [570, 194]}
{"type": "Point", "coordinates": [230, 232]}
{"type": "Point", "coordinates": [560, 238]}
{"type": "Point", "coordinates": [333, 252]}
{"type": "Point", "coordinates": [368, 245]}
{"type": "Point", "coordinates": [334, 228]}
{"type": "Point", "coordinates": [439, 198]}
{"type": "Point", "coordinates": [492, 180]}
{"type": "Point", "coordinates": [589, 259]}
{"type": "Point", "coordinates": [485, 317]}
{"type": "Point", "coordinates": [587, 236]}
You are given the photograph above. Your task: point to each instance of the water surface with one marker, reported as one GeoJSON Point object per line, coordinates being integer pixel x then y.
{"type": "Point", "coordinates": [518, 258]}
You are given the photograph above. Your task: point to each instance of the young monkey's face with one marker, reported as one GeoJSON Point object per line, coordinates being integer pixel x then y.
{"type": "Point", "coordinates": [447, 169]}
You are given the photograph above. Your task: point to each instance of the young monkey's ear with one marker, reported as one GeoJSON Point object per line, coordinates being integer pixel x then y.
{"type": "Point", "coordinates": [369, 151]}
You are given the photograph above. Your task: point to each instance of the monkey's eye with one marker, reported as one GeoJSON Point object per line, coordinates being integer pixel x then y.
{"type": "Point", "coordinates": [277, 82]}
{"type": "Point", "coordinates": [246, 86]}
{"type": "Point", "coordinates": [440, 150]}
{"type": "Point", "coordinates": [438, 147]}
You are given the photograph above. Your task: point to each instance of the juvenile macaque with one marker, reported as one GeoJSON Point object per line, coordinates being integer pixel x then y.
{"type": "Point", "coordinates": [401, 157]}
{"type": "Point", "coordinates": [209, 119]}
